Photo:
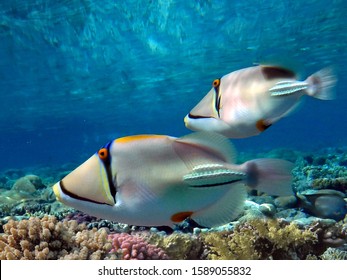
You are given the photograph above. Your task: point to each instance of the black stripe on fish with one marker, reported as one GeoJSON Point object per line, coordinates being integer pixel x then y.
{"type": "Point", "coordinates": [72, 195]}
{"type": "Point", "coordinates": [107, 165]}
{"type": "Point", "coordinates": [216, 185]}
{"type": "Point", "coordinates": [275, 72]}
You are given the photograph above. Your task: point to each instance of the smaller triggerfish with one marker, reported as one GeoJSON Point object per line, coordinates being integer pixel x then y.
{"type": "Point", "coordinates": [327, 204]}
{"type": "Point", "coordinates": [246, 102]}
{"type": "Point", "coordinates": [157, 180]}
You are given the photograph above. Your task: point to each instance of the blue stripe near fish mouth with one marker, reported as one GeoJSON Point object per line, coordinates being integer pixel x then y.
{"type": "Point", "coordinates": [217, 98]}
{"type": "Point", "coordinates": [107, 165]}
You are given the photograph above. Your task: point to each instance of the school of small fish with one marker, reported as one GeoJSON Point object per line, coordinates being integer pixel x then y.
{"type": "Point", "coordinates": [158, 180]}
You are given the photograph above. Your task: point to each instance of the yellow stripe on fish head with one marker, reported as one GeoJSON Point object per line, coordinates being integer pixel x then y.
{"type": "Point", "coordinates": [142, 137]}
{"type": "Point", "coordinates": [88, 182]}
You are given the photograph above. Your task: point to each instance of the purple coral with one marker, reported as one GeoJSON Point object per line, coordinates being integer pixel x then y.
{"type": "Point", "coordinates": [135, 248]}
{"type": "Point", "coordinates": [80, 217]}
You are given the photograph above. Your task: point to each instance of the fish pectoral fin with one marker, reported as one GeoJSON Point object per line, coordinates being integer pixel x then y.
{"type": "Point", "coordinates": [211, 175]}
{"type": "Point", "coordinates": [224, 210]}
{"type": "Point", "coordinates": [263, 124]}
{"type": "Point", "coordinates": [284, 88]}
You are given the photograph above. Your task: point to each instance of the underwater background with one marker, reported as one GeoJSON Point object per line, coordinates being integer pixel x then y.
{"type": "Point", "coordinates": [76, 74]}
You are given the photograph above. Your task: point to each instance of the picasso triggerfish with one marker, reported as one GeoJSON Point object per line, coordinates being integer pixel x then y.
{"type": "Point", "coordinates": [157, 180]}
{"type": "Point", "coordinates": [246, 102]}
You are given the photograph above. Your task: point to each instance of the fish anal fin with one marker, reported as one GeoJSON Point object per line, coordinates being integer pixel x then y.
{"type": "Point", "coordinates": [181, 216]}
{"type": "Point", "coordinates": [225, 210]}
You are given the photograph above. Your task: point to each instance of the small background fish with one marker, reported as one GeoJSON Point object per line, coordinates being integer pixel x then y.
{"type": "Point", "coordinates": [246, 102]}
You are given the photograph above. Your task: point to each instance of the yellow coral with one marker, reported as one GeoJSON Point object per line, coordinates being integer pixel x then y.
{"type": "Point", "coordinates": [178, 246]}
{"type": "Point", "coordinates": [260, 239]}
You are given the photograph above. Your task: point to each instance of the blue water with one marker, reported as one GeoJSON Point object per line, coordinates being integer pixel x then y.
{"type": "Point", "coordinates": [76, 74]}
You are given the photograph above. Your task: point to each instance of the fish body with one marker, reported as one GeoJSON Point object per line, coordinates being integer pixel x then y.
{"type": "Point", "coordinates": [158, 180]}
{"type": "Point", "coordinates": [246, 102]}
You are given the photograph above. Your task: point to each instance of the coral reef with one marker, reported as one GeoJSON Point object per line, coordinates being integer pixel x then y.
{"type": "Point", "coordinates": [132, 247]}
{"type": "Point", "coordinates": [48, 239]}
{"type": "Point", "coordinates": [261, 239]}
{"type": "Point", "coordinates": [308, 225]}
{"type": "Point", "coordinates": [178, 246]}
{"type": "Point", "coordinates": [339, 183]}
{"type": "Point", "coordinates": [329, 235]}
{"type": "Point", "coordinates": [334, 254]}
{"type": "Point", "coordinates": [325, 170]}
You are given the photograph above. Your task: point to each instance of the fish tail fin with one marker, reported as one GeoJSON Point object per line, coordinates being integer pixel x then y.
{"type": "Point", "coordinates": [272, 176]}
{"type": "Point", "coordinates": [321, 84]}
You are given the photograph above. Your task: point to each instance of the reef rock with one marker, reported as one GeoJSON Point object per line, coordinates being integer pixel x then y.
{"type": "Point", "coordinates": [28, 184]}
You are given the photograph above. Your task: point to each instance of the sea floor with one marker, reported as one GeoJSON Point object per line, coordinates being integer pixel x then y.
{"type": "Point", "coordinates": [312, 224]}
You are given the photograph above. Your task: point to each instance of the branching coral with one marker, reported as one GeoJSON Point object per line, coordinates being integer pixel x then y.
{"type": "Point", "coordinates": [135, 248]}
{"type": "Point", "coordinates": [334, 254]}
{"type": "Point", "coordinates": [339, 183]}
{"type": "Point", "coordinates": [47, 238]}
{"type": "Point", "coordinates": [261, 239]}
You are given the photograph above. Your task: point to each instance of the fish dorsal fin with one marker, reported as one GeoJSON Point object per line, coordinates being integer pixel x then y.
{"type": "Point", "coordinates": [225, 209]}
{"type": "Point", "coordinates": [213, 141]}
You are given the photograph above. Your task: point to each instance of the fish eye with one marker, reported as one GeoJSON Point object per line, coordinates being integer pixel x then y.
{"type": "Point", "coordinates": [216, 83]}
{"type": "Point", "coordinates": [103, 153]}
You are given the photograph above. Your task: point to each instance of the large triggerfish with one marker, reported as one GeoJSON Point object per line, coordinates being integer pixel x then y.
{"type": "Point", "coordinates": [157, 180]}
{"type": "Point", "coordinates": [246, 102]}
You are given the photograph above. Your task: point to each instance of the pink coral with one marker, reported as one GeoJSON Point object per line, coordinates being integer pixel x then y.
{"type": "Point", "coordinates": [135, 248]}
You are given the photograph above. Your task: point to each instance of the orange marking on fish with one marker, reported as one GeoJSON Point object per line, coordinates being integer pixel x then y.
{"type": "Point", "coordinates": [262, 125]}
{"type": "Point", "coordinates": [181, 216]}
{"type": "Point", "coordinates": [128, 139]}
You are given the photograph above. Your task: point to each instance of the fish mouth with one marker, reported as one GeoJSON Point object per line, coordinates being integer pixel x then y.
{"type": "Point", "coordinates": [89, 182]}
{"type": "Point", "coordinates": [191, 116]}
{"type": "Point", "coordinates": [59, 189]}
